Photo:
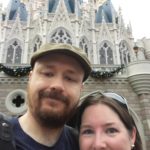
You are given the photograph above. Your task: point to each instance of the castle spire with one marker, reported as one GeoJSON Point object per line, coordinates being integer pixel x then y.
{"type": "Point", "coordinates": [98, 3]}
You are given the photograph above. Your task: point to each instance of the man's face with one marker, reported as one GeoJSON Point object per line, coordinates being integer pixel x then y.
{"type": "Point", "coordinates": [54, 89]}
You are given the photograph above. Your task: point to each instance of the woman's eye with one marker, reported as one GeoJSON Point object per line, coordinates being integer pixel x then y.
{"type": "Point", "coordinates": [70, 79]}
{"type": "Point", "coordinates": [87, 131]}
{"type": "Point", "coordinates": [111, 131]}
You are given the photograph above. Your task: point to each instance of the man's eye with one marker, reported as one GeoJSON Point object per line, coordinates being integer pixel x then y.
{"type": "Point", "coordinates": [48, 74]}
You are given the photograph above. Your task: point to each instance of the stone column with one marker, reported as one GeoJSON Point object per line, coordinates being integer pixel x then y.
{"type": "Point", "coordinates": [139, 78]}
{"type": "Point", "coordinates": [145, 113]}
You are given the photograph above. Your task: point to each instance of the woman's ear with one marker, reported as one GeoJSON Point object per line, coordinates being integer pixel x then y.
{"type": "Point", "coordinates": [133, 136]}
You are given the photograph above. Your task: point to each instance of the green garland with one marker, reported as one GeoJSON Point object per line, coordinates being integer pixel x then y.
{"type": "Point", "coordinates": [15, 71]}
{"type": "Point", "coordinates": [106, 74]}
{"type": "Point", "coordinates": [23, 71]}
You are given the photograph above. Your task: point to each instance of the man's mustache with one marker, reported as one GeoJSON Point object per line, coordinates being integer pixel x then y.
{"type": "Point", "coordinates": [54, 95]}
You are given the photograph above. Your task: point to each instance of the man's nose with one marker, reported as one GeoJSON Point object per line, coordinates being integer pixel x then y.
{"type": "Point", "coordinates": [57, 83]}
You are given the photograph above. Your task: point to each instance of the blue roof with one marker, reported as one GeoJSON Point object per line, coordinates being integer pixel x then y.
{"type": "Point", "coordinates": [17, 7]}
{"type": "Point", "coordinates": [70, 5]}
{"type": "Point", "coordinates": [52, 5]}
{"type": "Point", "coordinates": [106, 10]}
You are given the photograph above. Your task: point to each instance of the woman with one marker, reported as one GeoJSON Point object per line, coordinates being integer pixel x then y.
{"type": "Point", "coordinates": [104, 122]}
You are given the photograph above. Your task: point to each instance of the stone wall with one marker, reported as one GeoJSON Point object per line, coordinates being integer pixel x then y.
{"type": "Point", "coordinates": [119, 85]}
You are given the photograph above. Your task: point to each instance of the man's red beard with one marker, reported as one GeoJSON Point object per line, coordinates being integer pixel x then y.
{"type": "Point", "coordinates": [51, 119]}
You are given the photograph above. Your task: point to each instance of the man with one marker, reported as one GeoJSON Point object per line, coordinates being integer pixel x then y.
{"type": "Point", "coordinates": [55, 84]}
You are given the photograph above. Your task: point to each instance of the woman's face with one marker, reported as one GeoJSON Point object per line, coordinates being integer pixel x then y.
{"type": "Point", "coordinates": [102, 129]}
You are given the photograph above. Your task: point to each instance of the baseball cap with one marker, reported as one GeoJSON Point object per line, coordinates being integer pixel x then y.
{"type": "Point", "coordinates": [66, 49]}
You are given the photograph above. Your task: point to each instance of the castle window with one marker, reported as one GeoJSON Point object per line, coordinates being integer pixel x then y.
{"type": "Point", "coordinates": [106, 54]}
{"type": "Point", "coordinates": [102, 56]}
{"type": "Point", "coordinates": [61, 36]}
{"type": "Point", "coordinates": [15, 101]}
{"type": "Point", "coordinates": [14, 52]}
{"type": "Point", "coordinates": [83, 45]}
{"type": "Point", "coordinates": [124, 52]}
{"type": "Point", "coordinates": [37, 44]}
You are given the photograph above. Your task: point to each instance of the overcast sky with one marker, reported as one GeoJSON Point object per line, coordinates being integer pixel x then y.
{"type": "Point", "coordinates": [134, 11]}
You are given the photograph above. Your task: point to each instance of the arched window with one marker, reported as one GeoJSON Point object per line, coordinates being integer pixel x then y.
{"type": "Point", "coordinates": [14, 53]}
{"type": "Point", "coordinates": [37, 44]}
{"type": "Point", "coordinates": [124, 52]}
{"type": "Point", "coordinates": [106, 54]}
{"type": "Point", "coordinates": [61, 36]}
{"type": "Point", "coordinates": [83, 45]}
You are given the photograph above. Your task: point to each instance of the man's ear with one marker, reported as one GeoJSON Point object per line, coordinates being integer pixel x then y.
{"type": "Point", "coordinates": [30, 75]}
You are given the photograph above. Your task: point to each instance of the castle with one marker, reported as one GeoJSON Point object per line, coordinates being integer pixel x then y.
{"type": "Point", "coordinates": [119, 63]}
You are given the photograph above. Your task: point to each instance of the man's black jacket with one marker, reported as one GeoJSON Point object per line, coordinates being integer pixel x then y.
{"type": "Point", "coordinates": [6, 136]}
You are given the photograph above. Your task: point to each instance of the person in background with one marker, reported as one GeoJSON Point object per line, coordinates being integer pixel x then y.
{"type": "Point", "coordinates": [104, 122]}
{"type": "Point", "coordinates": [54, 87]}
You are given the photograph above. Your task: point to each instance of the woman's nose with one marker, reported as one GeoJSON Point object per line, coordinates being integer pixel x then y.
{"type": "Point", "coordinates": [99, 142]}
